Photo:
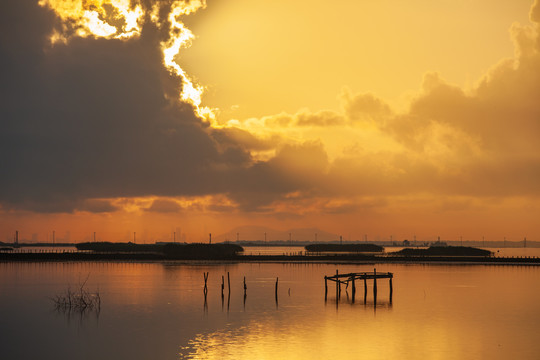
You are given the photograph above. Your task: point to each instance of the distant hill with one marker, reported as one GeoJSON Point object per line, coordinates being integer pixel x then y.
{"type": "Point", "coordinates": [256, 233]}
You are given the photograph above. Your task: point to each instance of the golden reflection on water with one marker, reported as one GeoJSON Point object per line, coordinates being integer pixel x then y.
{"type": "Point", "coordinates": [158, 311]}
{"type": "Point", "coordinates": [439, 312]}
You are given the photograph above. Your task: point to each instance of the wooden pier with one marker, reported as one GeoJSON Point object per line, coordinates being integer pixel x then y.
{"type": "Point", "coordinates": [352, 277]}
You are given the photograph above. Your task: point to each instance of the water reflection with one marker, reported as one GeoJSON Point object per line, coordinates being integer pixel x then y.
{"type": "Point", "coordinates": [285, 335]}
{"type": "Point", "coordinates": [445, 312]}
{"type": "Point", "coordinates": [80, 318]}
{"type": "Point", "coordinates": [349, 299]}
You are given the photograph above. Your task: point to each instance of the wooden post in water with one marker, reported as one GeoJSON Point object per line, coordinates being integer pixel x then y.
{"type": "Point", "coordinates": [365, 288]}
{"type": "Point", "coordinates": [375, 285]}
{"type": "Point", "coordinates": [353, 289]}
{"type": "Point", "coordinates": [222, 288]}
{"type": "Point", "coordinates": [222, 285]}
{"type": "Point", "coordinates": [325, 287]}
{"type": "Point", "coordinates": [245, 294]}
{"type": "Point", "coordinates": [391, 290]}
{"type": "Point", "coordinates": [229, 283]}
{"type": "Point", "coordinates": [277, 279]}
{"type": "Point", "coordinates": [205, 284]}
{"type": "Point", "coordinates": [337, 285]}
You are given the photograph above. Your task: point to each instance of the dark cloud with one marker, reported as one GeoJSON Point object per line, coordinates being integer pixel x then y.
{"type": "Point", "coordinates": [238, 138]}
{"type": "Point", "coordinates": [95, 119]}
{"type": "Point", "coordinates": [97, 206]}
{"type": "Point", "coordinates": [293, 168]}
{"type": "Point", "coordinates": [99, 119]}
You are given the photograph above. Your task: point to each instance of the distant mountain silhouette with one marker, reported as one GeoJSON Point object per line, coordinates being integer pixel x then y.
{"type": "Point", "coordinates": [256, 233]}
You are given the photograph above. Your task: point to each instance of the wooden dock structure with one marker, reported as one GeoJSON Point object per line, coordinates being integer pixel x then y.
{"type": "Point", "coordinates": [353, 277]}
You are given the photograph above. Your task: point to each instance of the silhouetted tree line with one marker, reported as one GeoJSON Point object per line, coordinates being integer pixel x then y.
{"type": "Point", "coordinates": [171, 251]}
{"type": "Point", "coordinates": [444, 251]}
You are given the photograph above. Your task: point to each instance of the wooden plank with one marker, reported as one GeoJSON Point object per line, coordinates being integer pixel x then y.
{"type": "Point", "coordinates": [349, 277]}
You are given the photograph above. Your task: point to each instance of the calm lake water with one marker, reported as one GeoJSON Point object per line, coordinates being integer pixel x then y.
{"type": "Point", "coordinates": [158, 311]}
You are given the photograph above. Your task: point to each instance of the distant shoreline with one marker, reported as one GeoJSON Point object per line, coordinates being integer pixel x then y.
{"type": "Point", "coordinates": [271, 244]}
{"type": "Point", "coordinates": [331, 259]}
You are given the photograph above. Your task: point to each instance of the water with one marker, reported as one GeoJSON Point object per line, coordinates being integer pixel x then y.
{"type": "Point", "coordinates": [157, 311]}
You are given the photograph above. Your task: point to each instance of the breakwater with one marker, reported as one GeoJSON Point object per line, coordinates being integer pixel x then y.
{"type": "Point", "coordinates": [321, 258]}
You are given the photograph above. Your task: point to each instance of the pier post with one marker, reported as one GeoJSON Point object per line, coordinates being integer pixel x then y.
{"type": "Point", "coordinates": [229, 283]}
{"type": "Point", "coordinates": [325, 287]}
{"type": "Point", "coordinates": [365, 287]}
{"type": "Point", "coordinates": [245, 294]}
{"type": "Point", "coordinates": [353, 289]}
{"type": "Point", "coordinates": [338, 287]}
{"type": "Point", "coordinates": [391, 289]}
{"type": "Point", "coordinates": [277, 279]}
{"type": "Point", "coordinates": [222, 285]}
{"type": "Point", "coordinates": [375, 284]}
{"type": "Point", "coordinates": [222, 288]}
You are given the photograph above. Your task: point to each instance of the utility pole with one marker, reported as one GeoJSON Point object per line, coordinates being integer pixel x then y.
{"type": "Point", "coordinates": [210, 238]}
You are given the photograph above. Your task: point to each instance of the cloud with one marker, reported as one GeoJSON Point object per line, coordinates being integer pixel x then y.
{"type": "Point", "coordinates": [322, 118]}
{"type": "Point", "coordinates": [97, 206]}
{"type": "Point", "coordinates": [535, 12]}
{"type": "Point", "coordinates": [95, 119]}
{"type": "Point", "coordinates": [365, 108]}
{"type": "Point", "coordinates": [164, 206]}
{"type": "Point", "coordinates": [481, 142]}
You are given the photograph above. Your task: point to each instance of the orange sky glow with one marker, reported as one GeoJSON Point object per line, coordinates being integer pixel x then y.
{"type": "Point", "coordinates": [378, 118]}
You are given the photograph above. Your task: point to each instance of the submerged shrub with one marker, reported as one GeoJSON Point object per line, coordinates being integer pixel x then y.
{"type": "Point", "coordinates": [77, 300]}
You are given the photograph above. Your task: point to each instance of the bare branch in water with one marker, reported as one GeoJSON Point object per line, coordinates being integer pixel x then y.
{"type": "Point", "coordinates": [81, 300]}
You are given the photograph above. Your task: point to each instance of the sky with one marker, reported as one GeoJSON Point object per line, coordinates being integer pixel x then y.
{"type": "Point", "coordinates": [378, 118]}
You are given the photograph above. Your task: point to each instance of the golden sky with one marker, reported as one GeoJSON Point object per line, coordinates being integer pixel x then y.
{"type": "Point", "coordinates": [378, 118]}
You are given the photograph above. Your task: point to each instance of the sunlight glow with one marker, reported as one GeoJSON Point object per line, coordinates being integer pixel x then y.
{"type": "Point", "coordinates": [112, 19]}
